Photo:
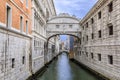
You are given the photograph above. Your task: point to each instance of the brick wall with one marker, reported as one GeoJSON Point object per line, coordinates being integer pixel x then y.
{"type": "Point", "coordinates": [18, 9]}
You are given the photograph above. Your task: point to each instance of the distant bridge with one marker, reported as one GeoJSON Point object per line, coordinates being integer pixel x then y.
{"type": "Point", "coordinates": [66, 51]}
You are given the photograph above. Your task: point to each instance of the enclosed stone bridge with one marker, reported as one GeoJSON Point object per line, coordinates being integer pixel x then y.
{"type": "Point", "coordinates": [66, 51]}
{"type": "Point", "coordinates": [63, 24]}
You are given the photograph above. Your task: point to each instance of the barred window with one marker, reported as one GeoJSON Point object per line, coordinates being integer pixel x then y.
{"type": "Point", "coordinates": [99, 33]}
{"type": "Point", "coordinates": [110, 7]}
{"type": "Point", "coordinates": [92, 35]}
{"type": "Point", "coordinates": [110, 59]}
{"type": "Point", "coordinates": [92, 56]}
{"type": "Point", "coordinates": [23, 60]}
{"type": "Point", "coordinates": [87, 37]}
{"type": "Point", "coordinates": [99, 15]}
{"type": "Point", "coordinates": [99, 57]}
{"type": "Point", "coordinates": [92, 20]}
{"type": "Point", "coordinates": [110, 29]}
{"type": "Point", "coordinates": [87, 25]}
{"type": "Point", "coordinates": [13, 62]}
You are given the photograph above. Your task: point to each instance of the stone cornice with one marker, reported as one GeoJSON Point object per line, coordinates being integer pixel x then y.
{"type": "Point", "coordinates": [54, 6]}
{"type": "Point", "coordinates": [40, 8]}
{"type": "Point", "coordinates": [13, 31]}
{"type": "Point", "coordinates": [63, 16]}
{"type": "Point", "coordinates": [18, 7]}
{"type": "Point", "coordinates": [94, 9]}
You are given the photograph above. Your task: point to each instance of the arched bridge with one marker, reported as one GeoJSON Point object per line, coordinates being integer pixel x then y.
{"type": "Point", "coordinates": [66, 51]}
{"type": "Point", "coordinates": [63, 24]}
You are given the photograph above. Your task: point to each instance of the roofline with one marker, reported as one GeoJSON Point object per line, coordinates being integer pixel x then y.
{"type": "Point", "coordinates": [94, 9]}
{"type": "Point", "coordinates": [63, 17]}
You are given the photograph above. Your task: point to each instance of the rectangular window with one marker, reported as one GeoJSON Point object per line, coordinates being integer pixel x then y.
{"type": "Point", "coordinates": [87, 54]}
{"type": "Point", "coordinates": [13, 62]}
{"type": "Point", "coordinates": [9, 16]}
{"type": "Point", "coordinates": [70, 26]}
{"type": "Point", "coordinates": [111, 30]}
{"type": "Point", "coordinates": [92, 20]}
{"type": "Point", "coordinates": [99, 33]}
{"type": "Point", "coordinates": [27, 3]}
{"type": "Point", "coordinates": [110, 59]}
{"type": "Point", "coordinates": [87, 25]}
{"type": "Point", "coordinates": [99, 57]}
{"type": "Point", "coordinates": [23, 60]}
{"type": "Point", "coordinates": [21, 23]}
{"type": "Point", "coordinates": [57, 26]}
{"type": "Point", "coordinates": [92, 36]}
{"type": "Point", "coordinates": [87, 38]}
{"type": "Point", "coordinates": [110, 7]}
{"type": "Point", "coordinates": [26, 27]}
{"type": "Point", "coordinates": [99, 15]}
{"type": "Point", "coordinates": [92, 56]}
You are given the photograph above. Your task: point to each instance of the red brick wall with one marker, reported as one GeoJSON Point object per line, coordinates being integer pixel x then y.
{"type": "Point", "coordinates": [16, 13]}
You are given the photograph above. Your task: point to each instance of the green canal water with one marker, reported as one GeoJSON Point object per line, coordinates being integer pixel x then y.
{"type": "Point", "coordinates": [64, 69]}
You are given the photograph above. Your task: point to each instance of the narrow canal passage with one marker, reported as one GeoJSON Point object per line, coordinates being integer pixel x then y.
{"type": "Point", "coordinates": [63, 69]}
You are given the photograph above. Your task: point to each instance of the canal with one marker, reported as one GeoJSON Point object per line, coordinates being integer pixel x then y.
{"type": "Point", "coordinates": [64, 69]}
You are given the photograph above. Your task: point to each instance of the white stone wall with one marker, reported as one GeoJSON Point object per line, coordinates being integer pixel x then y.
{"type": "Point", "coordinates": [50, 54]}
{"type": "Point", "coordinates": [38, 34]}
{"type": "Point", "coordinates": [38, 53]}
{"type": "Point", "coordinates": [106, 45]}
{"type": "Point", "coordinates": [14, 46]}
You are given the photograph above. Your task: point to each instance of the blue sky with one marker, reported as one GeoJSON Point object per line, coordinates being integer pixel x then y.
{"type": "Point", "coordinates": [63, 37]}
{"type": "Point", "coordinates": [79, 8]}
{"type": "Point", "coordinates": [74, 7]}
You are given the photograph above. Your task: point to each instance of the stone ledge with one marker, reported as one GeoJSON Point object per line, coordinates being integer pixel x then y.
{"type": "Point", "coordinates": [13, 31]}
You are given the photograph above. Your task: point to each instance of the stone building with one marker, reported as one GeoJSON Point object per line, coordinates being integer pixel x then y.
{"type": "Point", "coordinates": [38, 34]}
{"type": "Point", "coordinates": [15, 30]}
{"type": "Point", "coordinates": [41, 11]}
{"type": "Point", "coordinates": [101, 39]}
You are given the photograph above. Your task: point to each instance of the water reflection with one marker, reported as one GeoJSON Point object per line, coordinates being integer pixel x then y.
{"type": "Point", "coordinates": [64, 69]}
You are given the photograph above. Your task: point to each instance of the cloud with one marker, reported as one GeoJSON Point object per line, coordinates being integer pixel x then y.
{"type": "Point", "coordinates": [74, 7]}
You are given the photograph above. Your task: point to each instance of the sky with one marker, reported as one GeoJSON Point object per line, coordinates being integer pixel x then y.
{"type": "Point", "coordinates": [79, 8]}
{"type": "Point", "coordinates": [63, 37]}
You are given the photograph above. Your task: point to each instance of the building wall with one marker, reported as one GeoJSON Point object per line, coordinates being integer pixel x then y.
{"type": "Point", "coordinates": [40, 13]}
{"type": "Point", "coordinates": [14, 46]}
{"type": "Point", "coordinates": [15, 50]}
{"type": "Point", "coordinates": [38, 35]}
{"type": "Point", "coordinates": [107, 45]}
{"type": "Point", "coordinates": [18, 9]}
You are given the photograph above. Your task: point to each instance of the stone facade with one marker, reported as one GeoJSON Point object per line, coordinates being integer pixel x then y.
{"type": "Point", "coordinates": [14, 56]}
{"type": "Point", "coordinates": [101, 40]}
{"type": "Point", "coordinates": [15, 29]}
{"type": "Point", "coordinates": [63, 24]}
{"type": "Point", "coordinates": [38, 35]}
{"type": "Point", "coordinates": [40, 13]}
